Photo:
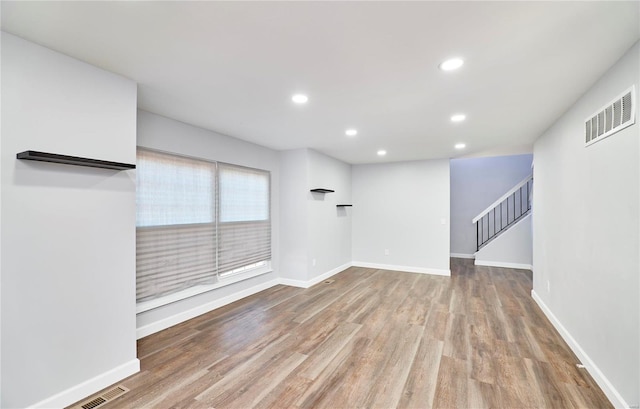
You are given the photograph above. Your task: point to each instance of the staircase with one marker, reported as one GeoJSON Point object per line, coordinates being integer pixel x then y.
{"type": "Point", "coordinates": [504, 212]}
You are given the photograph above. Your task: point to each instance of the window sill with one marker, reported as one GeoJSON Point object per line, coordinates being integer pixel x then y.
{"type": "Point", "coordinates": [200, 289]}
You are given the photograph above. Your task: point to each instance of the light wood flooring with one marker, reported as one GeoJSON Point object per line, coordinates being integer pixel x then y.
{"type": "Point", "coordinates": [370, 339]}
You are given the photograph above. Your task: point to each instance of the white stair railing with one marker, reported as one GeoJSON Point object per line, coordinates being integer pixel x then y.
{"type": "Point", "coordinates": [504, 212]}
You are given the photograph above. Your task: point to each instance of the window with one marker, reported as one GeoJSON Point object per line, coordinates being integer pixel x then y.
{"type": "Point", "coordinates": [245, 226]}
{"type": "Point", "coordinates": [197, 224]}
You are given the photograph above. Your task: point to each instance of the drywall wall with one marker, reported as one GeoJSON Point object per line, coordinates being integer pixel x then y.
{"type": "Point", "coordinates": [329, 234]}
{"type": "Point", "coordinates": [0, 225]}
{"type": "Point", "coordinates": [168, 135]}
{"type": "Point", "coordinates": [475, 184]}
{"type": "Point", "coordinates": [316, 234]}
{"type": "Point", "coordinates": [511, 249]}
{"type": "Point", "coordinates": [68, 232]}
{"type": "Point", "coordinates": [586, 236]}
{"type": "Point", "coordinates": [403, 208]}
{"type": "Point", "coordinates": [294, 188]}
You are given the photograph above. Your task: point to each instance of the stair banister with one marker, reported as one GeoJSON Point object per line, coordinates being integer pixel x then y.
{"type": "Point", "coordinates": [502, 198]}
{"type": "Point", "coordinates": [493, 221]}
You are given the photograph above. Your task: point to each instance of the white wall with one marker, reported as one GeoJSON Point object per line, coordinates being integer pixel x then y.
{"type": "Point", "coordinates": [294, 188]}
{"type": "Point", "coordinates": [68, 232]}
{"type": "Point", "coordinates": [511, 249]}
{"type": "Point", "coordinates": [329, 226]}
{"type": "Point", "coordinates": [586, 236]}
{"type": "Point", "coordinates": [402, 207]}
{"type": "Point", "coordinates": [316, 235]}
{"type": "Point", "coordinates": [168, 135]}
{"type": "Point", "coordinates": [0, 222]}
{"type": "Point", "coordinates": [475, 184]}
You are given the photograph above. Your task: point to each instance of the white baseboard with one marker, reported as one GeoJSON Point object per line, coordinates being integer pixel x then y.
{"type": "Point", "coordinates": [408, 269]}
{"type": "Point", "coordinates": [612, 394]}
{"type": "Point", "coordinates": [89, 387]}
{"type": "Point", "coordinates": [294, 283]}
{"type": "Point", "coordinates": [502, 264]}
{"type": "Point", "coordinates": [315, 280]}
{"type": "Point", "coordinates": [165, 323]}
{"type": "Point", "coordinates": [462, 255]}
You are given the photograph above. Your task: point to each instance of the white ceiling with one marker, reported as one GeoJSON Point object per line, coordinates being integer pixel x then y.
{"type": "Point", "coordinates": [232, 66]}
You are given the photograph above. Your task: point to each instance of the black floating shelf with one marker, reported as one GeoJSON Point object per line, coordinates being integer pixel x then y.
{"type": "Point", "coordinates": [343, 205]}
{"type": "Point", "coordinates": [319, 190]}
{"type": "Point", "coordinates": [73, 160]}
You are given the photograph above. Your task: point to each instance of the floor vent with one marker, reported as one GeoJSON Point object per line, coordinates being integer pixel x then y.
{"type": "Point", "coordinates": [94, 403]}
{"type": "Point", "coordinates": [103, 398]}
{"type": "Point", "coordinates": [611, 118]}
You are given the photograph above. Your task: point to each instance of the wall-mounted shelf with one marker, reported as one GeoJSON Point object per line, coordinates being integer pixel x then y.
{"type": "Point", "coordinates": [320, 190]}
{"type": "Point", "coordinates": [344, 205]}
{"type": "Point", "coordinates": [73, 160]}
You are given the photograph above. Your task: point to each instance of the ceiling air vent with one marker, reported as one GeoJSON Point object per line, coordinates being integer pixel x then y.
{"type": "Point", "coordinates": [611, 118]}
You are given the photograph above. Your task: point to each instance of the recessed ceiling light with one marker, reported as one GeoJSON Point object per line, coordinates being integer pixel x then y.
{"type": "Point", "coordinates": [458, 117]}
{"type": "Point", "coordinates": [382, 152]}
{"type": "Point", "coordinates": [300, 99]}
{"type": "Point", "coordinates": [351, 132]}
{"type": "Point", "coordinates": [460, 146]}
{"type": "Point", "coordinates": [451, 64]}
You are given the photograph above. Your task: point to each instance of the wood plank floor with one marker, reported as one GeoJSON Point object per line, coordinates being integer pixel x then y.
{"type": "Point", "coordinates": [370, 339]}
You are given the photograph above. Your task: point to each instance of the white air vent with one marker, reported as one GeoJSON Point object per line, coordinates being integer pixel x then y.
{"type": "Point", "coordinates": [613, 117]}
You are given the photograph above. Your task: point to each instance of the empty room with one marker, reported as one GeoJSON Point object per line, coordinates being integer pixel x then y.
{"type": "Point", "coordinates": [319, 204]}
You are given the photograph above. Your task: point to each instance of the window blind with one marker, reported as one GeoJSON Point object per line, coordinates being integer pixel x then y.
{"type": "Point", "coordinates": [245, 225]}
{"type": "Point", "coordinates": [176, 229]}
{"type": "Point", "coordinates": [197, 222]}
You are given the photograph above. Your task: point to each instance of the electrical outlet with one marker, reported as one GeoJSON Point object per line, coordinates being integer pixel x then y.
{"type": "Point", "coordinates": [313, 262]}
{"type": "Point", "coordinates": [386, 252]}
{"type": "Point", "coordinates": [548, 286]}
